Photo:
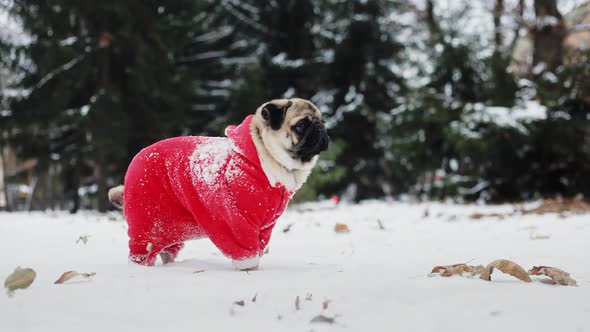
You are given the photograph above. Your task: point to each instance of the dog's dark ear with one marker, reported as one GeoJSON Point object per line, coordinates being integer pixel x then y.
{"type": "Point", "coordinates": [274, 113]}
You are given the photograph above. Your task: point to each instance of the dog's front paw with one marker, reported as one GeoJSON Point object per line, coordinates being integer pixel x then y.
{"type": "Point", "coordinates": [247, 264]}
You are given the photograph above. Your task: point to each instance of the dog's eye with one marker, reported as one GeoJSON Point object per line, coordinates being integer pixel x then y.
{"type": "Point", "coordinates": [300, 127]}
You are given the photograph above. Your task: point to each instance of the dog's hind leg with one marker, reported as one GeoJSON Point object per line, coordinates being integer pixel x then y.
{"type": "Point", "coordinates": [143, 258]}
{"type": "Point", "coordinates": [169, 254]}
{"type": "Point", "coordinates": [116, 196]}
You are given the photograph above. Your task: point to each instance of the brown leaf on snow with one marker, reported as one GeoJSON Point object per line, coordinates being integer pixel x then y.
{"type": "Point", "coordinates": [325, 304]}
{"type": "Point", "coordinates": [439, 268]}
{"type": "Point", "coordinates": [561, 205]}
{"type": "Point", "coordinates": [83, 239]}
{"type": "Point", "coordinates": [534, 236]}
{"type": "Point", "coordinates": [548, 282]}
{"type": "Point", "coordinates": [478, 270]}
{"type": "Point", "coordinates": [457, 269]}
{"type": "Point", "coordinates": [341, 228]}
{"type": "Point", "coordinates": [20, 279]}
{"type": "Point", "coordinates": [478, 215]}
{"type": "Point", "coordinates": [558, 276]}
{"type": "Point", "coordinates": [72, 274]}
{"type": "Point", "coordinates": [287, 228]}
{"type": "Point", "coordinates": [241, 303]}
{"type": "Point", "coordinates": [297, 306]}
{"type": "Point", "coordinates": [505, 266]}
{"type": "Point", "coordinates": [323, 319]}
{"type": "Point", "coordinates": [66, 276]}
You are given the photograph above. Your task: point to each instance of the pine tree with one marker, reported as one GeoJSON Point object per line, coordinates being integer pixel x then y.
{"type": "Point", "coordinates": [282, 42]}
{"type": "Point", "coordinates": [503, 85]}
{"type": "Point", "coordinates": [362, 88]}
{"type": "Point", "coordinates": [103, 80]}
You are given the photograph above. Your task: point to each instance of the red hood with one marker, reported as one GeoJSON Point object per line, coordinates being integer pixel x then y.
{"type": "Point", "coordinates": [241, 136]}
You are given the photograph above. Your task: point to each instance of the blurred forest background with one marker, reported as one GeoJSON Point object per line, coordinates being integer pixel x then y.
{"type": "Point", "coordinates": [470, 100]}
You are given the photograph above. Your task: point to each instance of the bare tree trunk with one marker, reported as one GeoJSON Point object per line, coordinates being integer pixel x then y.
{"type": "Point", "coordinates": [548, 35]}
{"type": "Point", "coordinates": [71, 176]}
{"type": "Point", "coordinates": [4, 184]}
{"type": "Point", "coordinates": [431, 20]}
{"type": "Point", "coordinates": [504, 87]}
{"type": "Point", "coordinates": [101, 179]}
{"type": "Point", "coordinates": [102, 144]}
{"type": "Point", "coordinates": [498, 12]}
{"type": "Point", "coordinates": [519, 24]}
{"type": "Point", "coordinates": [40, 189]}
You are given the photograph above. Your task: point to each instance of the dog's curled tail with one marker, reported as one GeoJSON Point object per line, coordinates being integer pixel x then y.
{"type": "Point", "coordinates": [116, 196]}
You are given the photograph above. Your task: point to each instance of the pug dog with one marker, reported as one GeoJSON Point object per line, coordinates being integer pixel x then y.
{"type": "Point", "coordinates": [229, 189]}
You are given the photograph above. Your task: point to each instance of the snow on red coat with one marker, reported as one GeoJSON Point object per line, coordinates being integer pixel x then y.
{"type": "Point", "coordinates": [193, 187]}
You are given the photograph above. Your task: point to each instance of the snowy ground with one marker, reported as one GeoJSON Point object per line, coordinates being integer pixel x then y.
{"type": "Point", "coordinates": [374, 279]}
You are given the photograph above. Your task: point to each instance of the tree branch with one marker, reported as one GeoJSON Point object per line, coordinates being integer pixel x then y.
{"type": "Point", "coordinates": [65, 67]}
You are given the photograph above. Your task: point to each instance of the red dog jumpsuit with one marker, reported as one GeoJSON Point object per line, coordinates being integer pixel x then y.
{"type": "Point", "coordinates": [193, 187]}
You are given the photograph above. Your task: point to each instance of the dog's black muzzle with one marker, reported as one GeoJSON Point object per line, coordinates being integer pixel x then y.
{"type": "Point", "coordinates": [314, 141]}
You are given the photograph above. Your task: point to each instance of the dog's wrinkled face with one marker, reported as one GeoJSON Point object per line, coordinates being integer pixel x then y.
{"type": "Point", "coordinates": [293, 132]}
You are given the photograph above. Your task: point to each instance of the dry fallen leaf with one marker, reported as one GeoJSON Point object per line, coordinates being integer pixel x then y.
{"type": "Point", "coordinates": [287, 228]}
{"type": "Point", "coordinates": [560, 206]}
{"type": "Point", "coordinates": [240, 303]}
{"type": "Point", "coordinates": [72, 274]}
{"type": "Point", "coordinates": [474, 270]}
{"type": "Point", "coordinates": [534, 236]}
{"type": "Point", "coordinates": [559, 276]}
{"type": "Point", "coordinates": [457, 269]}
{"type": "Point", "coordinates": [477, 270]}
{"type": "Point", "coordinates": [548, 282]}
{"type": "Point", "coordinates": [20, 279]}
{"type": "Point", "coordinates": [380, 224]}
{"type": "Point", "coordinates": [308, 297]}
{"type": "Point", "coordinates": [254, 298]}
{"type": "Point", "coordinates": [439, 268]}
{"type": "Point", "coordinates": [341, 228]}
{"type": "Point", "coordinates": [505, 266]}
{"type": "Point", "coordinates": [66, 276]}
{"type": "Point", "coordinates": [297, 306]}
{"type": "Point", "coordinates": [478, 215]}
{"type": "Point", "coordinates": [83, 238]}
{"type": "Point", "coordinates": [325, 304]}
{"type": "Point", "coordinates": [323, 319]}
{"type": "Point", "coordinates": [198, 271]}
